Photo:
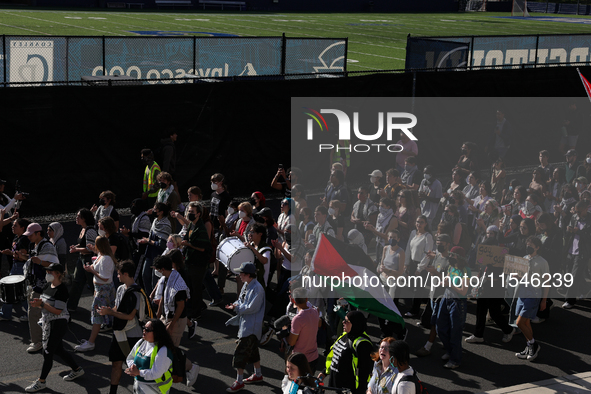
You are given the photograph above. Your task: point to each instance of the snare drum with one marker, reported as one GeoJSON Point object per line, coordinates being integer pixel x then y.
{"type": "Point", "coordinates": [13, 289]}
{"type": "Point", "coordinates": [232, 253]}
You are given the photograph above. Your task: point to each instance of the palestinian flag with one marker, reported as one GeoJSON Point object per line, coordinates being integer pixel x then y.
{"type": "Point", "coordinates": [357, 282]}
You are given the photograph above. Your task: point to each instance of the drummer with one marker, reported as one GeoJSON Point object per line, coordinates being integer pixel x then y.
{"type": "Point", "coordinates": [18, 254]}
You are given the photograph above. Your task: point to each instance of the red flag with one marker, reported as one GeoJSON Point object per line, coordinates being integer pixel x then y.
{"type": "Point", "coordinates": [586, 84]}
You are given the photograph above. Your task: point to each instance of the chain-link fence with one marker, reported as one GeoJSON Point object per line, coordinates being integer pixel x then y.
{"type": "Point", "coordinates": [478, 52]}
{"type": "Point", "coordinates": [30, 60]}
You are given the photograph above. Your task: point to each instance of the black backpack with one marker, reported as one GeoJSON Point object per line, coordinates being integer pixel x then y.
{"type": "Point", "coordinates": [419, 386]}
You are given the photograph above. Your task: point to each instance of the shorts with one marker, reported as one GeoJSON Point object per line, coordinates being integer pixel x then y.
{"type": "Point", "coordinates": [115, 353]}
{"type": "Point", "coordinates": [527, 307]}
{"type": "Point", "coordinates": [246, 352]}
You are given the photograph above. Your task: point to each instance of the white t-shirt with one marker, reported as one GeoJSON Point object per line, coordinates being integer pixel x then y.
{"type": "Point", "coordinates": [404, 387]}
{"type": "Point", "coordinates": [104, 265]}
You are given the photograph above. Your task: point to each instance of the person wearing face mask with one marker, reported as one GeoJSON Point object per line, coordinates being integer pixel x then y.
{"type": "Point", "coordinates": [105, 208]}
{"type": "Point", "coordinates": [581, 184]}
{"type": "Point", "coordinates": [220, 198]}
{"type": "Point", "coordinates": [467, 161]}
{"type": "Point", "coordinates": [54, 315]}
{"type": "Point", "coordinates": [150, 186]}
{"type": "Point", "coordinates": [385, 222]}
{"type": "Point", "coordinates": [587, 166]}
{"type": "Point", "coordinates": [197, 253]}
{"type": "Point", "coordinates": [578, 245]}
{"type": "Point", "coordinates": [508, 193]}
{"type": "Point", "coordinates": [245, 221]}
{"type": "Point", "coordinates": [258, 201]}
{"type": "Point", "coordinates": [156, 242]}
{"type": "Point", "coordinates": [430, 193]}
{"type": "Point", "coordinates": [410, 177]}
{"type": "Point", "coordinates": [230, 220]}
{"type": "Point", "coordinates": [529, 295]}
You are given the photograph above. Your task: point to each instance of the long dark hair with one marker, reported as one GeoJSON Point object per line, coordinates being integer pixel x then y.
{"type": "Point", "coordinates": [161, 336]}
{"type": "Point", "coordinates": [300, 361]}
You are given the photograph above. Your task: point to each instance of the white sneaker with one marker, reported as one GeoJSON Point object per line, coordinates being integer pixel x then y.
{"type": "Point", "coordinates": [36, 386]}
{"type": "Point", "coordinates": [266, 337]}
{"type": "Point", "coordinates": [34, 347]}
{"type": "Point", "coordinates": [537, 320]}
{"type": "Point", "coordinates": [567, 305]}
{"type": "Point", "coordinates": [85, 346]}
{"type": "Point", "coordinates": [474, 339]}
{"type": "Point", "coordinates": [507, 337]}
{"type": "Point", "coordinates": [192, 375]}
{"type": "Point", "coordinates": [74, 374]}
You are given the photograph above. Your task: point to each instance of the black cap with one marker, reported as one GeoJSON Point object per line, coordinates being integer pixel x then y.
{"type": "Point", "coordinates": [247, 268]}
{"type": "Point", "coordinates": [266, 212]}
{"type": "Point", "coordinates": [55, 267]}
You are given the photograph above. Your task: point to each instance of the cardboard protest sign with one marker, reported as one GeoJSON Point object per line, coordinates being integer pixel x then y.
{"type": "Point", "coordinates": [489, 254]}
{"type": "Point", "coordinates": [515, 264]}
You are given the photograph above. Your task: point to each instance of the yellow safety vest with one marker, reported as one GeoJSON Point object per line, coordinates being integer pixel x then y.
{"type": "Point", "coordinates": [150, 179]}
{"type": "Point", "coordinates": [356, 343]}
{"type": "Point", "coordinates": [164, 383]}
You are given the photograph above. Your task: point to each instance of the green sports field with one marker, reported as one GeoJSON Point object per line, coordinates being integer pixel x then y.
{"type": "Point", "coordinates": [376, 41]}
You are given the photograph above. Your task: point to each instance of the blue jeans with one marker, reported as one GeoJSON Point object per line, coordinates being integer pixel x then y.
{"type": "Point", "coordinates": [17, 269]}
{"type": "Point", "coordinates": [450, 324]}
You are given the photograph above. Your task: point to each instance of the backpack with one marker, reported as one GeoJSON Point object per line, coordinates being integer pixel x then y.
{"type": "Point", "coordinates": [145, 307]}
{"type": "Point", "coordinates": [419, 386]}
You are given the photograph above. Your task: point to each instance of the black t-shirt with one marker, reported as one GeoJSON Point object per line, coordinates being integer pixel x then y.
{"type": "Point", "coordinates": [218, 205]}
{"type": "Point", "coordinates": [20, 243]}
{"type": "Point", "coordinates": [57, 297]}
{"type": "Point", "coordinates": [180, 296]}
{"type": "Point", "coordinates": [122, 251]}
{"type": "Point", "coordinates": [114, 215]}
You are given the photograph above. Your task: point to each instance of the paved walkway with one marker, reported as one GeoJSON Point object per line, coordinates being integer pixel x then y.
{"type": "Point", "coordinates": [578, 383]}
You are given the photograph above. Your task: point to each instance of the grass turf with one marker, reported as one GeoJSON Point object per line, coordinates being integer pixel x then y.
{"type": "Point", "coordinates": [376, 41]}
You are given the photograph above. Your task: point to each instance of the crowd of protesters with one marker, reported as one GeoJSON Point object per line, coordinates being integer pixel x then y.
{"type": "Point", "coordinates": [153, 280]}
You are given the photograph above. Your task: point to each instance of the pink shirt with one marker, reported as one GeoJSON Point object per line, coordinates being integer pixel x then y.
{"type": "Point", "coordinates": [305, 325]}
{"type": "Point", "coordinates": [411, 146]}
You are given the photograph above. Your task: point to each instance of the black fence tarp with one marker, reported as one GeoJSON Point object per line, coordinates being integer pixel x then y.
{"type": "Point", "coordinates": [65, 144]}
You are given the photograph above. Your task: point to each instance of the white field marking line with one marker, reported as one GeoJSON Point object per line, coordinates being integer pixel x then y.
{"type": "Point", "coordinates": [357, 65]}
{"type": "Point", "coordinates": [369, 54]}
{"type": "Point", "coordinates": [59, 23]}
{"type": "Point", "coordinates": [185, 25]}
{"type": "Point", "coordinates": [22, 28]}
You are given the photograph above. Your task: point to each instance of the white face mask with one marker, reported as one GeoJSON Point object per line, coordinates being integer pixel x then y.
{"type": "Point", "coordinates": [427, 176]}
{"type": "Point", "coordinates": [331, 211]}
{"type": "Point", "coordinates": [230, 210]}
{"type": "Point", "coordinates": [588, 160]}
{"type": "Point", "coordinates": [102, 233]}
{"type": "Point", "coordinates": [242, 214]}
{"type": "Point", "coordinates": [158, 273]}
{"type": "Point", "coordinates": [49, 278]}
{"type": "Point", "coordinates": [372, 179]}
{"type": "Point", "coordinates": [214, 186]}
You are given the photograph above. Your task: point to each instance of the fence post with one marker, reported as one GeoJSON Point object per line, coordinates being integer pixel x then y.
{"type": "Point", "coordinates": [346, 52]}
{"type": "Point", "coordinates": [471, 53]}
{"type": "Point", "coordinates": [283, 53]}
{"type": "Point", "coordinates": [104, 64]}
{"type": "Point", "coordinates": [195, 55]}
{"type": "Point", "coordinates": [4, 53]}
{"type": "Point", "coordinates": [536, 57]}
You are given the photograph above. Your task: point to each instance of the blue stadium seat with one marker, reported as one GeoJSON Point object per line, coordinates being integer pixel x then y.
{"type": "Point", "coordinates": [569, 9]}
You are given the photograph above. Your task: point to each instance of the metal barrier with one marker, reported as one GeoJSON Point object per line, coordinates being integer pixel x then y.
{"type": "Point", "coordinates": [41, 59]}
